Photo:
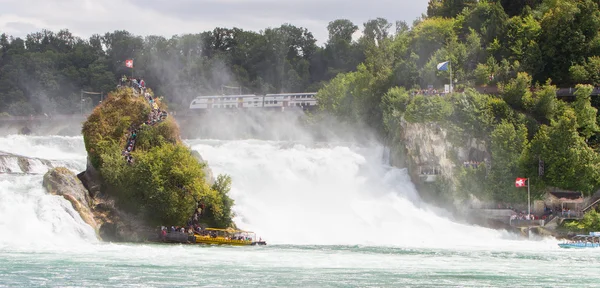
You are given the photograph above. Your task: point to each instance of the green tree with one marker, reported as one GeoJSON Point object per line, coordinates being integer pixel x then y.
{"type": "Point", "coordinates": [517, 92]}
{"type": "Point", "coordinates": [589, 223]}
{"type": "Point", "coordinates": [568, 31]}
{"type": "Point", "coordinates": [569, 162]}
{"type": "Point", "coordinates": [447, 8]}
{"type": "Point", "coordinates": [424, 109]}
{"type": "Point", "coordinates": [507, 142]}
{"type": "Point", "coordinates": [394, 104]}
{"type": "Point", "coordinates": [586, 114]}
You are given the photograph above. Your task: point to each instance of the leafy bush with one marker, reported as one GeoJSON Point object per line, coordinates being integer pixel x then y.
{"type": "Point", "coordinates": [425, 109]}
{"type": "Point", "coordinates": [589, 223]}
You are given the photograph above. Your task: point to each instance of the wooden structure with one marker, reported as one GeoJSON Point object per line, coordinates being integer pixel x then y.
{"type": "Point", "coordinates": [565, 204]}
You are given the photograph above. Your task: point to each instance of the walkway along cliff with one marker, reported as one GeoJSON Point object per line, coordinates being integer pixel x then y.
{"type": "Point", "coordinates": [139, 174]}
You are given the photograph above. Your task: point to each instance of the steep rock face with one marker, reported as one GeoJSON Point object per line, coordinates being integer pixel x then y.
{"type": "Point", "coordinates": [424, 146]}
{"type": "Point", "coordinates": [61, 181]}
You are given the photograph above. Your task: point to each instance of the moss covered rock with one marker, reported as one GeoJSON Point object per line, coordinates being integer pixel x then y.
{"type": "Point", "coordinates": [166, 182]}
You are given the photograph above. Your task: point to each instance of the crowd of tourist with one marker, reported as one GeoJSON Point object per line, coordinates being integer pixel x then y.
{"type": "Point", "coordinates": [154, 117]}
{"type": "Point", "coordinates": [429, 92]}
{"type": "Point", "coordinates": [138, 84]}
{"type": "Point", "coordinates": [193, 226]}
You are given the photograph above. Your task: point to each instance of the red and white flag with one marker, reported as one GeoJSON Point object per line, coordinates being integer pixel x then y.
{"type": "Point", "coordinates": [520, 182]}
{"type": "Point", "coordinates": [129, 63]}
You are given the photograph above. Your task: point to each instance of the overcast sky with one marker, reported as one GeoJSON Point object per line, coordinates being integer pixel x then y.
{"type": "Point", "coordinates": [169, 17]}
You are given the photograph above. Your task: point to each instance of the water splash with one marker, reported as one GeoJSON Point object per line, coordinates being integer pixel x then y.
{"type": "Point", "coordinates": [29, 217]}
{"type": "Point", "coordinates": [335, 196]}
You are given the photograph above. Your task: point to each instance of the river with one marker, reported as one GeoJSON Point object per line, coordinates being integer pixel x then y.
{"type": "Point", "coordinates": [333, 215]}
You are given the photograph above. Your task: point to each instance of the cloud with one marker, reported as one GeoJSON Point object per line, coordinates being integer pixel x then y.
{"type": "Point", "coordinates": [167, 18]}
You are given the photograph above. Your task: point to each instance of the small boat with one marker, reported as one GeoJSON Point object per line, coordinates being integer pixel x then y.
{"type": "Point", "coordinates": [583, 241]}
{"type": "Point", "coordinates": [227, 237]}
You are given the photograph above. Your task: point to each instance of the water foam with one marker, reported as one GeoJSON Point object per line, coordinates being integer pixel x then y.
{"type": "Point", "coordinates": [31, 218]}
{"type": "Point", "coordinates": [45, 147]}
{"type": "Point", "coordinates": [335, 196]}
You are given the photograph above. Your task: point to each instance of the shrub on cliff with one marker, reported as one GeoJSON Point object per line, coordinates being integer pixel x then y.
{"type": "Point", "coordinates": [165, 182]}
{"type": "Point", "coordinates": [109, 122]}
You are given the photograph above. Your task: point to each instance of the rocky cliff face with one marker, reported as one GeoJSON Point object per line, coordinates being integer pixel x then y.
{"type": "Point", "coordinates": [427, 149]}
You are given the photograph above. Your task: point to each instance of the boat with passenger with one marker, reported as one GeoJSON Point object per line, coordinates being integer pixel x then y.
{"type": "Point", "coordinates": [213, 236]}
{"type": "Point", "coordinates": [583, 241]}
{"type": "Point", "coordinates": [228, 236]}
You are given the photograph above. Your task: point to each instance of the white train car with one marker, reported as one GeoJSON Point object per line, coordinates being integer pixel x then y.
{"type": "Point", "coordinates": [274, 101]}
{"type": "Point", "coordinates": [251, 101]}
{"type": "Point", "coordinates": [224, 101]}
{"type": "Point", "coordinates": [302, 100]}
{"type": "Point", "coordinates": [298, 100]}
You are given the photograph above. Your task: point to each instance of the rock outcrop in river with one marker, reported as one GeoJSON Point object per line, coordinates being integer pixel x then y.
{"type": "Point", "coordinates": [139, 174]}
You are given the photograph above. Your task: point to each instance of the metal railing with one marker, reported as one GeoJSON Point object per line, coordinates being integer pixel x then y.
{"type": "Point", "coordinates": [569, 214]}
{"type": "Point", "coordinates": [591, 205]}
{"type": "Point", "coordinates": [526, 223]}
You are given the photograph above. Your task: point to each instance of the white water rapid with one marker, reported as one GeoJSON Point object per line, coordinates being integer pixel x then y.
{"type": "Point", "coordinates": [30, 218]}
{"type": "Point", "coordinates": [287, 193]}
{"type": "Point", "coordinates": [335, 195]}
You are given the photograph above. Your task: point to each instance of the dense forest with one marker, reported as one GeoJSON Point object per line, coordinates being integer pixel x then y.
{"type": "Point", "coordinates": [524, 50]}
{"type": "Point", "coordinates": [488, 42]}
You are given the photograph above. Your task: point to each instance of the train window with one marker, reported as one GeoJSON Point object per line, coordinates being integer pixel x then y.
{"type": "Point", "coordinates": [275, 102]}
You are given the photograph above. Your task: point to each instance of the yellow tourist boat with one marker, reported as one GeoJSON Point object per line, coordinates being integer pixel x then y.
{"type": "Point", "coordinates": [227, 237]}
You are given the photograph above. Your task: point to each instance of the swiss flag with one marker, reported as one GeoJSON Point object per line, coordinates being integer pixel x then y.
{"type": "Point", "coordinates": [520, 182]}
{"type": "Point", "coordinates": [129, 63]}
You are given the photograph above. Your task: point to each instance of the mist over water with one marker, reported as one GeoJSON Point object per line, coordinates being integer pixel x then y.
{"type": "Point", "coordinates": [289, 193]}
{"type": "Point", "coordinates": [333, 215]}
{"type": "Point", "coordinates": [297, 194]}
{"type": "Point", "coordinates": [45, 147]}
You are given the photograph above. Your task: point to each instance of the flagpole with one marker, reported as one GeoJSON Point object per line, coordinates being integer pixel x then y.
{"type": "Point", "coordinates": [528, 199]}
{"type": "Point", "coordinates": [450, 70]}
{"type": "Point", "coordinates": [132, 69]}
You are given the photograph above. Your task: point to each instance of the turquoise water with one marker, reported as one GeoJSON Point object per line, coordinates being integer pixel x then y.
{"type": "Point", "coordinates": [333, 217]}
{"type": "Point", "coordinates": [111, 265]}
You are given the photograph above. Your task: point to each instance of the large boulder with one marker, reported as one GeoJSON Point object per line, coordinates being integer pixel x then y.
{"type": "Point", "coordinates": [116, 225]}
{"type": "Point", "coordinates": [62, 182]}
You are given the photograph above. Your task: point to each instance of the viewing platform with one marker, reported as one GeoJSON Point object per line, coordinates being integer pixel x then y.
{"type": "Point", "coordinates": [428, 174]}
